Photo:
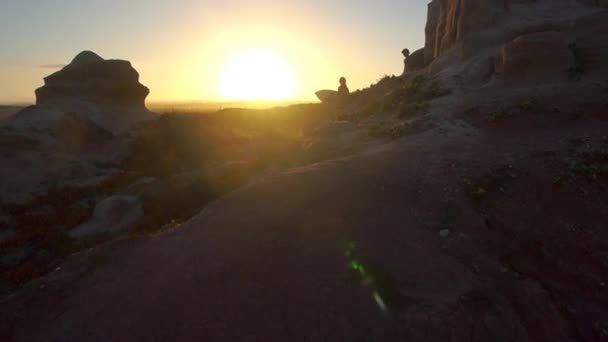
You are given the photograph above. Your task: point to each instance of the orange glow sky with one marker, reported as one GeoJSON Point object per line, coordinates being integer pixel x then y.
{"type": "Point", "coordinates": [181, 48]}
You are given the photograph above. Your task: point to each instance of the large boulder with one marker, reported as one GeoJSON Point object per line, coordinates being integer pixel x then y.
{"type": "Point", "coordinates": [414, 62]}
{"type": "Point", "coordinates": [90, 76]}
{"type": "Point", "coordinates": [113, 215]}
{"type": "Point", "coordinates": [540, 57]}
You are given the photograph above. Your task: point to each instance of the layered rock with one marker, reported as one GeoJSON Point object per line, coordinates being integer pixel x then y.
{"type": "Point", "coordinates": [451, 21]}
{"type": "Point", "coordinates": [105, 92]}
{"type": "Point", "coordinates": [90, 76]}
{"type": "Point", "coordinates": [517, 42]}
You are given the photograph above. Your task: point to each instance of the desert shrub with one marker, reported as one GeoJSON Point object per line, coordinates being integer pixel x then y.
{"type": "Point", "coordinates": [476, 194]}
{"type": "Point", "coordinates": [499, 114]}
{"type": "Point", "coordinates": [398, 131]}
{"type": "Point", "coordinates": [410, 97]}
{"type": "Point", "coordinates": [506, 111]}
{"type": "Point", "coordinates": [385, 79]}
{"type": "Point", "coordinates": [392, 132]}
{"type": "Point", "coordinates": [174, 143]}
{"type": "Point", "coordinates": [592, 166]}
{"type": "Point", "coordinates": [178, 143]}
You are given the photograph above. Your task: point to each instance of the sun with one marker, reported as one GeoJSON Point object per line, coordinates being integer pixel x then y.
{"type": "Point", "coordinates": [257, 75]}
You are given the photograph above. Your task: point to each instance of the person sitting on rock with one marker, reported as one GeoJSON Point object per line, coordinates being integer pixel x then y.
{"type": "Point", "coordinates": [343, 89]}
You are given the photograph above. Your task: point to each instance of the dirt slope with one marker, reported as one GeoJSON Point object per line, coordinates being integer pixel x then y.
{"type": "Point", "coordinates": [452, 234]}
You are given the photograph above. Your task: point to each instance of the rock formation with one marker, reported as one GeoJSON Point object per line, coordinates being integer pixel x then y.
{"type": "Point", "coordinates": [90, 76]}
{"type": "Point", "coordinates": [414, 62]}
{"type": "Point", "coordinates": [106, 92]}
{"type": "Point", "coordinates": [451, 21]}
{"type": "Point", "coordinates": [112, 215]}
{"type": "Point", "coordinates": [517, 42]}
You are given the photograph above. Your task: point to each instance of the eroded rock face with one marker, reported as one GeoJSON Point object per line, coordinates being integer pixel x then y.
{"type": "Point", "coordinates": [451, 21]}
{"type": "Point", "coordinates": [90, 76]}
{"type": "Point", "coordinates": [529, 41]}
{"type": "Point", "coordinates": [535, 58]}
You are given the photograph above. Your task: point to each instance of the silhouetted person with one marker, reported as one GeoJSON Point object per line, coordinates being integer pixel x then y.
{"type": "Point", "coordinates": [343, 89]}
{"type": "Point", "coordinates": [406, 55]}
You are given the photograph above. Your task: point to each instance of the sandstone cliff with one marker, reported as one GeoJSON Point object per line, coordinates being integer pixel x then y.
{"type": "Point", "coordinates": [517, 42]}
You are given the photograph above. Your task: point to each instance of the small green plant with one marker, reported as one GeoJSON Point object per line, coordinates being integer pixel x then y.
{"type": "Point", "coordinates": [398, 131]}
{"type": "Point", "coordinates": [476, 194]}
{"type": "Point", "coordinates": [593, 167]}
{"type": "Point", "coordinates": [499, 114]}
{"type": "Point", "coordinates": [527, 105]}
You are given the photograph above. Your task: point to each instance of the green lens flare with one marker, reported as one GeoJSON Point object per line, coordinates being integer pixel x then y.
{"type": "Point", "coordinates": [366, 279]}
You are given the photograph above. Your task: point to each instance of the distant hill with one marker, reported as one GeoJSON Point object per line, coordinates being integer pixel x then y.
{"type": "Point", "coordinates": [213, 106]}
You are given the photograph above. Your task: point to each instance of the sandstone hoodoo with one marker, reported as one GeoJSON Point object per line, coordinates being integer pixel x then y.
{"type": "Point", "coordinates": [105, 92]}
{"type": "Point", "coordinates": [90, 76]}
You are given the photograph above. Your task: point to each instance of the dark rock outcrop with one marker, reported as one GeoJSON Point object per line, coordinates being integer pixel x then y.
{"type": "Point", "coordinates": [90, 76]}
{"type": "Point", "coordinates": [414, 62]}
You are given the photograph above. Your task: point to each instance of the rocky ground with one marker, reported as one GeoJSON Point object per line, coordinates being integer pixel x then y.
{"type": "Point", "coordinates": [459, 230]}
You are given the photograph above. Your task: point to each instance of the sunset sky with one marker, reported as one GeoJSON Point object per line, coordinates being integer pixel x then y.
{"type": "Point", "coordinates": [192, 49]}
